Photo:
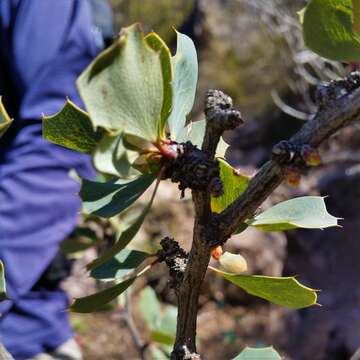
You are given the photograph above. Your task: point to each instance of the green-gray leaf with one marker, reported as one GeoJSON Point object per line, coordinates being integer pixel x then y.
{"type": "Point", "coordinates": [112, 158]}
{"type": "Point", "coordinates": [185, 76]}
{"type": "Point", "coordinates": [96, 301]}
{"type": "Point", "coordinates": [125, 237]}
{"type": "Point", "coordinates": [284, 291]}
{"type": "Point", "coordinates": [166, 331]}
{"type": "Point", "coordinates": [157, 44]}
{"type": "Point", "coordinates": [150, 308]}
{"type": "Point", "coordinates": [5, 120]}
{"type": "Point", "coordinates": [111, 198]}
{"type": "Point", "coordinates": [121, 265]}
{"type": "Point", "coordinates": [3, 295]}
{"type": "Point", "coordinates": [195, 132]}
{"type": "Point", "coordinates": [268, 353]}
{"type": "Point", "coordinates": [307, 212]}
{"type": "Point", "coordinates": [123, 87]}
{"type": "Point", "coordinates": [234, 185]}
{"type": "Point", "coordinates": [71, 127]}
{"type": "Point", "coordinates": [161, 324]}
{"type": "Point", "coordinates": [328, 30]}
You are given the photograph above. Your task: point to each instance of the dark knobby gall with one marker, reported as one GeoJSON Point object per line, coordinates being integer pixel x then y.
{"type": "Point", "coordinates": [219, 111]}
{"type": "Point", "coordinates": [175, 258]}
{"type": "Point", "coordinates": [194, 169]}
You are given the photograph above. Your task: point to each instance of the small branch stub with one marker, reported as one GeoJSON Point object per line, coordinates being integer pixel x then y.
{"type": "Point", "coordinates": [219, 111]}
{"type": "Point", "coordinates": [220, 116]}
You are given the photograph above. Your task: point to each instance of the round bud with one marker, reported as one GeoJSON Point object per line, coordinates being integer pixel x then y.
{"type": "Point", "coordinates": [233, 263]}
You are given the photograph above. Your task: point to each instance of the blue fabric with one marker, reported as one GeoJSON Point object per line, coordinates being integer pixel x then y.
{"type": "Point", "coordinates": [44, 46]}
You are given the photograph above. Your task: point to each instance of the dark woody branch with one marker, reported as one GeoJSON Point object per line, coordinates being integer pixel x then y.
{"type": "Point", "coordinates": [338, 108]}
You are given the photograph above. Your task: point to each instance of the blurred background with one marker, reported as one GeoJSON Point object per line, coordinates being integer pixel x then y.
{"type": "Point", "coordinates": [252, 50]}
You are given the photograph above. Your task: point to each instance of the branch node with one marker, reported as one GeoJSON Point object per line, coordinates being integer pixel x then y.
{"type": "Point", "coordinates": [295, 155]}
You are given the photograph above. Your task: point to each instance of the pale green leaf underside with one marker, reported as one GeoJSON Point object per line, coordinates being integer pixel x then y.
{"type": "Point", "coordinates": [5, 120]}
{"type": "Point", "coordinates": [112, 158]}
{"type": "Point", "coordinates": [195, 132]}
{"type": "Point", "coordinates": [185, 77]}
{"type": "Point", "coordinates": [234, 185]}
{"type": "Point", "coordinates": [267, 353]}
{"type": "Point", "coordinates": [111, 198]}
{"type": "Point", "coordinates": [157, 44]}
{"type": "Point", "coordinates": [71, 127]}
{"type": "Point", "coordinates": [328, 30]}
{"type": "Point", "coordinates": [121, 265]}
{"type": "Point", "coordinates": [307, 212]}
{"type": "Point", "coordinates": [123, 87]}
{"type": "Point", "coordinates": [284, 291]}
{"type": "Point", "coordinates": [3, 295]}
{"type": "Point", "coordinates": [161, 323]}
{"type": "Point", "coordinates": [166, 331]}
{"type": "Point", "coordinates": [150, 307]}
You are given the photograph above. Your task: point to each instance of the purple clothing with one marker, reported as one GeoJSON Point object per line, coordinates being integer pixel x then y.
{"type": "Point", "coordinates": [44, 46]}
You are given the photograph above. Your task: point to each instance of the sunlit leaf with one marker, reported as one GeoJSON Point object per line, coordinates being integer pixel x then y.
{"type": "Point", "coordinates": [195, 132]}
{"type": "Point", "coordinates": [157, 44]}
{"type": "Point", "coordinates": [268, 353]}
{"type": "Point", "coordinates": [3, 295]}
{"type": "Point", "coordinates": [111, 198]}
{"type": "Point", "coordinates": [121, 265]}
{"type": "Point", "coordinates": [356, 16]}
{"type": "Point", "coordinates": [284, 291]}
{"type": "Point", "coordinates": [234, 185]}
{"type": "Point", "coordinates": [307, 212]}
{"type": "Point", "coordinates": [5, 120]}
{"type": "Point", "coordinates": [112, 158]}
{"type": "Point", "coordinates": [71, 127]}
{"type": "Point", "coordinates": [123, 88]}
{"type": "Point", "coordinates": [329, 29]}
{"type": "Point", "coordinates": [185, 76]}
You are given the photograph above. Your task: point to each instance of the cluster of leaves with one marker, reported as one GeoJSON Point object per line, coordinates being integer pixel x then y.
{"type": "Point", "coordinates": [137, 96]}
{"type": "Point", "coordinates": [5, 122]}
